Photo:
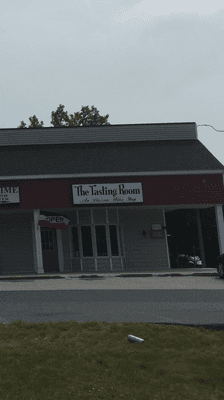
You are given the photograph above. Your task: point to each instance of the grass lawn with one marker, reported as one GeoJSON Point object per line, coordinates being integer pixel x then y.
{"type": "Point", "coordinates": [93, 360]}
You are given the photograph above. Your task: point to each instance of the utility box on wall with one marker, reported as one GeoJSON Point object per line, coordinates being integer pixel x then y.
{"type": "Point", "coordinates": [157, 232]}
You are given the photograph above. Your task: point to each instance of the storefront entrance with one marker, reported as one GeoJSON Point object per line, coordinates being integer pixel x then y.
{"type": "Point", "coordinates": [182, 234]}
{"type": "Point", "coordinates": [97, 246]}
{"type": "Point", "coordinates": [101, 245]}
{"type": "Point", "coordinates": [49, 250]}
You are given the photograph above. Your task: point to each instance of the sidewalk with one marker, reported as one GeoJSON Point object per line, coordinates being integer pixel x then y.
{"type": "Point", "coordinates": [123, 274]}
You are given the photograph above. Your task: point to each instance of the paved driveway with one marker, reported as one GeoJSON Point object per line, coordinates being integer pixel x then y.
{"type": "Point", "coordinates": [182, 300]}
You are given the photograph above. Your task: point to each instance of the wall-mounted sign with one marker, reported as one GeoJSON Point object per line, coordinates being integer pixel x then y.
{"type": "Point", "coordinates": [157, 232]}
{"type": "Point", "coordinates": [9, 194]}
{"type": "Point", "coordinates": [107, 193]}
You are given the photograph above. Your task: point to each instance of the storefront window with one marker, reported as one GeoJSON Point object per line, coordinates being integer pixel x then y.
{"type": "Point", "coordinates": [75, 241]}
{"type": "Point", "coordinates": [101, 241]}
{"type": "Point", "coordinates": [113, 240]}
{"type": "Point", "coordinates": [98, 241]}
{"type": "Point", "coordinates": [87, 245]}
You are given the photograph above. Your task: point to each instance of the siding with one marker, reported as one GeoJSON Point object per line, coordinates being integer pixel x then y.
{"type": "Point", "coordinates": [16, 249]}
{"type": "Point", "coordinates": [142, 252]}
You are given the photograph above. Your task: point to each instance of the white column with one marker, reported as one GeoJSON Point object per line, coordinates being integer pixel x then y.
{"type": "Point", "coordinates": [108, 241]}
{"type": "Point", "coordinates": [201, 243]}
{"type": "Point", "coordinates": [119, 239]}
{"type": "Point", "coordinates": [220, 227]}
{"type": "Point", "coordinates": [37, 243]}
{"type": "Point", "coordinates": [166, 241]}
{"type": "Point", "coordinates": [80, 240]}
{"type": "Point", "coordinates": [34, 247]}
{"type": "Point", "coordinates": [60, 250]}
{"type": "Point", "coordinates": [93, 239]}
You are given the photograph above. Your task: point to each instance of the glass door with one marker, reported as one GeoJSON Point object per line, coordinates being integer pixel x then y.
{"type": "Point", "coordinates": [49, 250]}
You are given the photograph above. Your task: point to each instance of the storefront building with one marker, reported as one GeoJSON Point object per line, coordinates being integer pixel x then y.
{"type": "Point", "coordinates": [95, 199]}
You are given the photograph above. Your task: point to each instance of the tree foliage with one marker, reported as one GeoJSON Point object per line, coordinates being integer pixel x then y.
{"type": "Point", "coordinates": [60, 118]}
{"type": "Point", "coordinates": [34, 123]}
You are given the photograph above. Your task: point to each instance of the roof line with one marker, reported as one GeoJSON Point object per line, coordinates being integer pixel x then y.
{"type": "Point", "coordinates": [97, 126]}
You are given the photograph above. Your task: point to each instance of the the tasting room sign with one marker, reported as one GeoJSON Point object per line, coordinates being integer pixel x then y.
{"type": "Point", "coordinates": [108, 193]}
{"type": "Point", "coordinates": [9, 195]}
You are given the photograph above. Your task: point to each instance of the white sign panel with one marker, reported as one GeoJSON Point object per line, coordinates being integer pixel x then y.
{"type": "Point", "coordinates": [156, 227]}
{"type": "Point", "coordinates": [108, 193]}
{"type": "Point", "coordinates": [9, 194]}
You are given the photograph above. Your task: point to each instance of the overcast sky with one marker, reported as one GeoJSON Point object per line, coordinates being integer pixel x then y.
{"type": "Point", "coordinates": [138, 61]}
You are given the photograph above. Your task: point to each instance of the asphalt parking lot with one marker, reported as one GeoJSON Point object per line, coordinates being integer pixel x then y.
{"type": "Point", "coordinates": [176, 299]}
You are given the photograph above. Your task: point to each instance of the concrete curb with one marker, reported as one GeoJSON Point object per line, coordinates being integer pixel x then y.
{"type": "Point", "coordinates": [123, 274]}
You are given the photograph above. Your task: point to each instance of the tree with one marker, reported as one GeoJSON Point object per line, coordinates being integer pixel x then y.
{"type": "Point", "coordinates": [86, 117]}
{"type": "Point", "coordinates": [59, 118]}
{"type": "Point", "coordinates": [34, 123]}
{"type": "Point", "coordinates": [22, 125]}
